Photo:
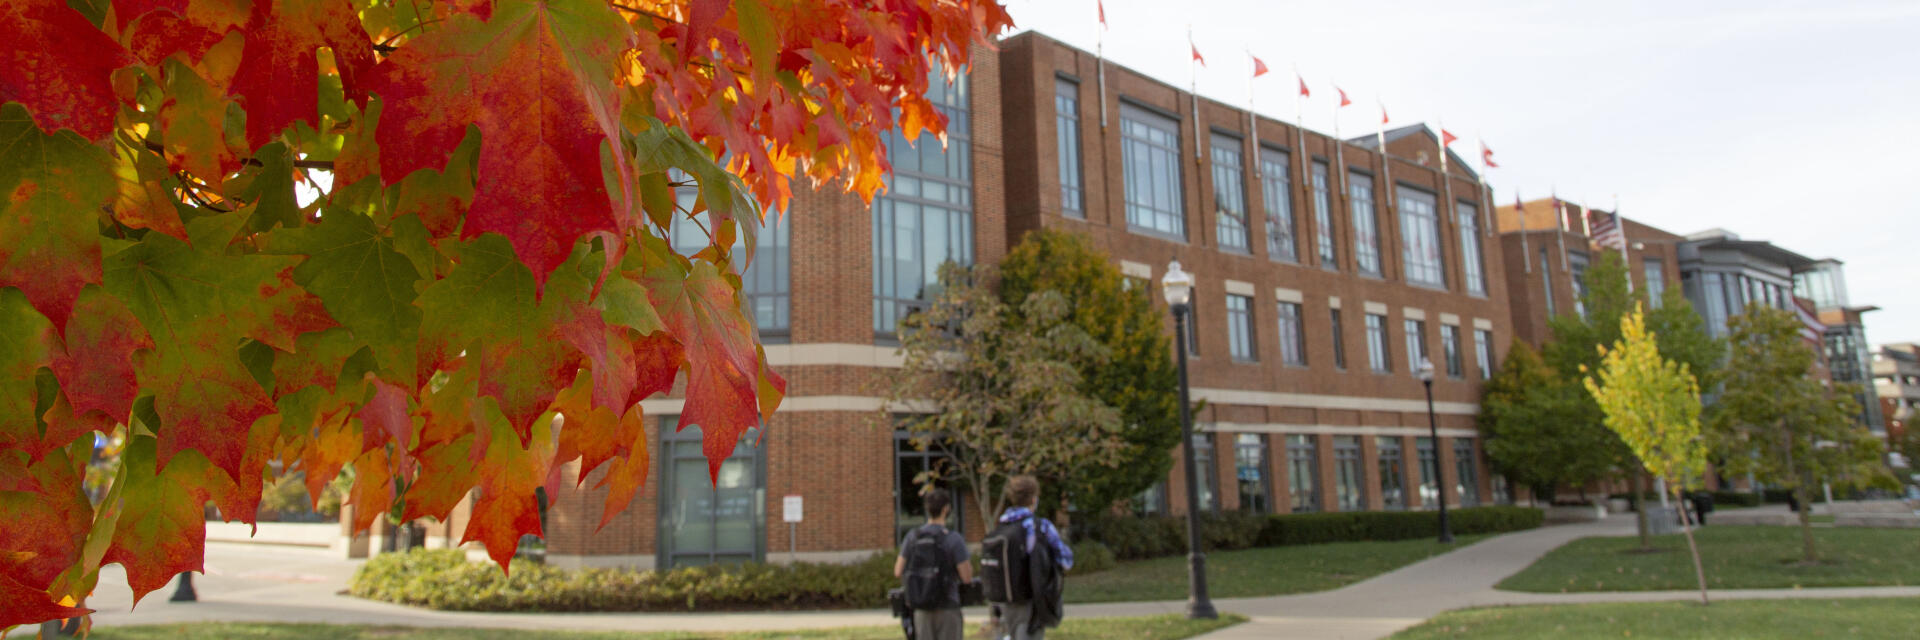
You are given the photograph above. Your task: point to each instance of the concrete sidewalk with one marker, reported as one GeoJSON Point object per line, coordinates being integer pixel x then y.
{"type": "Point", "coordinates": [280, 584]}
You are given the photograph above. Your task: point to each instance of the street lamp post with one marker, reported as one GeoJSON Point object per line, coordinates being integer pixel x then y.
{"type": "Point", "coordinates": [183, 589]}
{"type": "Point", "coordinates": [1178, 287]}
{"type": "Point", "coordinates": [1433, 430]}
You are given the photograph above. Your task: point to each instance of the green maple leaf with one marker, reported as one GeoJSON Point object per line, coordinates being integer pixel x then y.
{"type": "Point", "coordinates": [162, 520]}
{"type": "Point", "coordinates": [51, 191]}
{"type": "Point", "coordinates": [363, 281]}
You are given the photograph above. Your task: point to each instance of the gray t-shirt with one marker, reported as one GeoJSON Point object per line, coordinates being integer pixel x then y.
{"type": "Point", "coordinates": [951, 543]}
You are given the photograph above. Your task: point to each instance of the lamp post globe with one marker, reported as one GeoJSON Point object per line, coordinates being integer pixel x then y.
{"type": "Point", "coordinates": [1425, 371]}
{"type": "Point", "coordinates": [1177, 285]}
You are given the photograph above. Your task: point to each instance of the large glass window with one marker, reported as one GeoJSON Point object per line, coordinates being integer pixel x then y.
{"type": "Point", "coordinates": [1293, 343]}
{"type": "Point", "coordinates": [1152, 502]}
{"type": "Point", "coordinates": [1377, 357]}
{"type": "Point", "coordinates": [1250, 472]}
{"type": "Point", "coordinates": [925, 217]}
{"type": "Point", "coordinates": [1471, 266]}
{"type": "Point", "coordinates": [1450, 350]}
{"type": "Point", "coordinates": [913, 469]}
{"type": "Point", "coordinates": [1276, 191]}
{"type": "Point", "coordinates": [1229, 193]}
{"type": "Point", "coordinates": [1483, 352]}
{"type": "Point", "coordinates": [1656, 281]}
{"type": "Point", "coordinates": [1577, 262]}
{"type": "Point", "coordinates": [1066, 125]}
{"type": "Point", "coordinates": [1420, 239]}
{"type": "Point", "coordinates": [1366, 234]}
{"type": "Point", "coordinates": [710, 519]}
{"type": "Point", "coordinates": [1416, 344]}
{"type": "Point", "coordinates": [1393, 472]}
{"type": "Point", "coordinates": [1203, 469]}
{"type": "Point", "coordinates": [1466, 473]}
{"type": "Point", "coordinates": [1429, 473]}
{"type": "Point", "coordinates": [765, 282]}
{"type": "Point", "coordinates": [1150, 156]}
{"type": "Point", "coordinates": [1323, 216]}
{"type": "Point", "coordinates": [1240, 328]}
{"type": "Point", "coordinates": [1348, 474]}
{"type": "Point", "coordinates": [1303, 473]}
{"type": "Point", "coordinates": [1716, 305]}
{"type": "Point", "coordinates": [1339, 339]}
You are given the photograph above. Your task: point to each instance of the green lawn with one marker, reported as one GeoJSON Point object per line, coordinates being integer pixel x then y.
{"type": "Point", "coordinates": [1735, 557]}
{"type": "Point", "coordinates": [1257, 572]}
{"type": "Point", "coordinates": [1728, 620]}
{"type": "Point", "coordinates": [1168, 627]}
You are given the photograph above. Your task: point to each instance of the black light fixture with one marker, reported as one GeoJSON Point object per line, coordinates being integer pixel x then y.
{"type": "Point", "coordinates": [1433, 429]}
{"type": "Point", "coordinates": [1178, 287]}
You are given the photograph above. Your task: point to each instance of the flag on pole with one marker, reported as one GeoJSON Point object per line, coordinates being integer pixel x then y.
{"type": "Point", "coordinates": [1343, 96]}
{"type": "Point", "coordinates": [1810, 326]}
{"type": "Point", "coordinates": [1196, 53]}
{"type": "Point", "coordinates": [1259, 66]}
{"type": "Point", "coordinates": [1304, 93]}
{"type": "Point", "coordinates": [1606, 230]}
{"type": "Point", "coordinates": [1486, 156]}
{"type": "Point", "coordinates": [1383, 114]}
{"type": "Point", "coordinates": [1447, 137]}
{"type": "Point", "coordinates": [1102, 6]}
{"type": "Point", "coordinates": [1526, 253]}
{"type": "Point", "coordinates": [1100, 60]}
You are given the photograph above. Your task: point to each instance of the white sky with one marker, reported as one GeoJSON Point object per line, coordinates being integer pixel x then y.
{"type": "Point", "coordinates": [1792, 122]}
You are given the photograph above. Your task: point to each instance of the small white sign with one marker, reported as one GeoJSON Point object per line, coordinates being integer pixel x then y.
{"type": "Point", "coordinates": [790, 508]}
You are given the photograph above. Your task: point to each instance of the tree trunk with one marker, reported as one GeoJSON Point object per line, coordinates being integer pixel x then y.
{"type": "Point", "coordinates": [1686, 527]}
{"type": "Point", "coordinates": [1638, 485]}
{"type": "Point", "coordinates": [1805, 494]}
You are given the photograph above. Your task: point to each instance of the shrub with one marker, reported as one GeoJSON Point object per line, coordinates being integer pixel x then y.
{"type": "Point", "coordinates": [1776, 496]}
{"type": "Point", "coordinates": [1229, 531]}
{"type": "Point", "coordinates": [444, 579]}
{"type": "Point", "coordinates": [1091, 557]}
{"type": "Point", "coordinates": [1735, 499]}
{"type": "Point", "coordinates": [1131, 538]}
{"type": "Point", "coordinates": [1319, 528]}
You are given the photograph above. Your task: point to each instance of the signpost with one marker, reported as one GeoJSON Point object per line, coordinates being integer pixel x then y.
{"type": "Point", "coordinates": [790, 511]}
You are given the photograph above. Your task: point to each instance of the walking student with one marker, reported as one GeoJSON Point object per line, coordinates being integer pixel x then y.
{"type": "Point", "coordinates": [1023, 566]}
{"type": "Point", "coordinates": [932, 565]}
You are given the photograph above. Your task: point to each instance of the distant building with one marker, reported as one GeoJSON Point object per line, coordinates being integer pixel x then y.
{"type": "Point", "coordinates": [1896, 380]}
{"type": "Point", "coordinates": [1547, 258]}
{"type": "Point", "coordinates": [1847, 352]}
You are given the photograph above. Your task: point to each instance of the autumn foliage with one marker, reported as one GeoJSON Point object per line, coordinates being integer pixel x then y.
{"type": "Point", "coordinates": [423, 239]}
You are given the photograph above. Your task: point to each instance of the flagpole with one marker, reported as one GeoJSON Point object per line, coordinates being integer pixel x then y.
{"type": "Point", "coordinates": [1385, 192]}
{"type": "Point", "coordinates": [1446, 177]}
{"type": "Point", "coordinates": [1560, 218]}
{"type": "Point", "coordinates": [1486, 191]}
{"type": "Point", "coordinates": [1253, 121]}
{"type": "Point", "coordinates": [1300, 155]}
{"type": "Point", "coordinates": [1620, 227]}
{"type": "Point", "coordinates": [1526, 252]}
{"type": "Point", "coordinates": [1193, 93]}
{"type": "Point", "coordinates": [1100, 62]}
{"type": "Point", "coordinates": [1339, 177]}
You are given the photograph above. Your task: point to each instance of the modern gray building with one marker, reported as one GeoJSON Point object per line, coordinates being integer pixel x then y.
{"type": "Point", "coordinates": [1722, 274]}
{"type": "Point", "coordinates": [1849, 356]}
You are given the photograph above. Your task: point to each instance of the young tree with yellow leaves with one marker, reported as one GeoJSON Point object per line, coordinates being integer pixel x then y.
{"type": "Point", "coordinates": [1654, 404]}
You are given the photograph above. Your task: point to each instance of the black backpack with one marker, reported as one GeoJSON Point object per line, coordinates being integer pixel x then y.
{"type": "Point", "coordinates": [1004, 573]}
{"type": "Point", "coordinates": [929, 576]}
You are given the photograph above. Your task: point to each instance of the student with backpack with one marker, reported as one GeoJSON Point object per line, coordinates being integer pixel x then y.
{"type": "Point", "coordinates": [1023, 566]}
{"type": "Point", "coordinates": [932, 565]}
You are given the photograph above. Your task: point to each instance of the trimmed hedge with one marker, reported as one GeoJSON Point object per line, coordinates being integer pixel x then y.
{"type": "Point", "coordinates": [1135, 538]}
{"type": "Point", "coordinates": [1735, 499]}
{"type": "Point", "coordinates": [445, 579]}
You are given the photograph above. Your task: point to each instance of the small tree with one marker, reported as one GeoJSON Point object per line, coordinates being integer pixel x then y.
{"type": "Point", "coordinates": [1138, 377]}
{"type": "Point", "coordinates": [1780, 423]}
{"type": "Point", "coordinates": [1535, 426]}
{"type": "Point", "coordinates": [1654, 404]}
{"type": "Point", "coordinates": [1005, 388]}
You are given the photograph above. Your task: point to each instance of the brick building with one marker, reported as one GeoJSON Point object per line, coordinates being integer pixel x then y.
{"type": "Point", "coordinates": [1324, 270]}
{"type": "Point", "coordinates": [1547, 255]}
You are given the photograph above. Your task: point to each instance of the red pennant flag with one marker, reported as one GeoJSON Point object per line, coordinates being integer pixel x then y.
{"type": "Point", "coordinates": [1447, 137]}
{"type": "Point", "coordinates": [1196, 54]}
{"type": "Point", "coordinates": [1102, 6]}
{"type": "Point", "coordinates": [1304, 93]}
{"type": "Point", "coordinates": [1259, 67]}
{"type": "Point", "coordinates": [1383, 114]}
{"type": "Point", "coordinates": [1486, 156]}
{"type": "Point", "coordinates": [1343, 97]}
{"type": "Point", "coordinates": [1519, 206]}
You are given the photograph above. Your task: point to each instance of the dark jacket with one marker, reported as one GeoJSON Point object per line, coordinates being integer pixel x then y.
{"type": "Point", "coordinates": [1049, 588]}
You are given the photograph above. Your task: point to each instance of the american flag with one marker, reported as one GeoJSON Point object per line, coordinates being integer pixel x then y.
{"type": "Point", "coordinates": [1606, 230]}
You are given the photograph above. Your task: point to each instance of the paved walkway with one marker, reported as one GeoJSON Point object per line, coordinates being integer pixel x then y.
{"type": "Point", "coordinates": [279, 584]}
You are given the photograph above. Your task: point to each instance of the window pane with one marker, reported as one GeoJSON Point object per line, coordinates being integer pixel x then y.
{"type": "Point", "coordinates": [1393, 493]}
{"type": "Point", "coordinates": [765, 286]}
{"type": "Point", "coordinates": [1339, 340]}
{"type": "Point", "coordinates": [1240, 327]}
{"type": "Point", "coordinates": [1150, 155]}
{"type": "Point", "coordinates": [1276, 189]}
{"type": "Point", "coordinates": [1429, 473]}
{"type": "Point", "coordinates": [1420, 239]}
{"type": "Point", "coordinates": [1293, 347]}
{"type": "Point", "coordinates": [1323, 216]}
{"type": "Point", "coordinates": [1577, 263]}
{"type": "Point", "coordinates": [927, 218]}
{"type": "Point", "coordinates": [1366, 239]}
{"type": "Point", "coordinates": [1656, 281]}
{"type": "Point", "coordinates": [1465, 473]}
{"type": "Point", "coordinates": [1483, 343]}
{"type": "Point", "coordinates": [1250, 472]}
{"type": "Point", "coordinates": [707, 520]}
{"type": "Point", "coordinates": [1203, 469]}
{"type": "Point", "coordinates": [1470, 249]}
{"type": "Point", "coordinates": [1348, 474]}
{"type": "Point", "coordinates": [1450, 350]}
{"type": "Point", "coordinates": [1377, 357]}
{"type": "Point", "coordinates": [1066, 123]}
{"type": "Point", "coordinates": [1303, 473]}
{"type": "Point", "coordinates": [1416, 344]}
{"type": "Point", "coordinates": [1229, 193]}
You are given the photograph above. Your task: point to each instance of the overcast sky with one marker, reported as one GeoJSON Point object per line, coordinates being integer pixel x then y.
{"type": "Point", "coordinates": [1793, 122]}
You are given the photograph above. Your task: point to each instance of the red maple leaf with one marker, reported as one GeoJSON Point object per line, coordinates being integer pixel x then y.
{"type": "Point", "coordinates": [96, 368]}
{"type": "Point", "coordinates": [283, 39]}
{"type": "Point", "coordinates": [60, 66]}
{"type": "Point", "coordinates": [506, 508]}
{"type": "Point", "coordinates": [723, 366]}
{"type": "Point", "coordinates": [161, 530]}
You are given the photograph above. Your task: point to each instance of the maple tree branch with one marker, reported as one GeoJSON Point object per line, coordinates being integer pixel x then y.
{"type": "Point", "coordinates": [644, 12]}
{"type": "Point", "coordinates": [386, 46]}
{"type": "Point", "coordinates": [297, 163]}
{"type": "Point", "coordinates": [187, 187]}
